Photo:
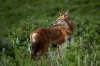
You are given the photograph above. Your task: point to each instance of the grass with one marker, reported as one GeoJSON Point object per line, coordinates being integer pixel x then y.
{"type": "Point", "coordinates": [19, 18]}
{"type": "Point", "coordinates": [83, 50]}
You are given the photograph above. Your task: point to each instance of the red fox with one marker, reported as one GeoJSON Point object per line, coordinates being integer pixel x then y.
{"type": "Point", "coordinates": [42, 37]}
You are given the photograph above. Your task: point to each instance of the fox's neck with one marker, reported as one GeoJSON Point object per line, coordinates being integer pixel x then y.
{"type": "Point", "coordinates": [68, 27]}
{"type": "Point", "coordinates": [65, 29]}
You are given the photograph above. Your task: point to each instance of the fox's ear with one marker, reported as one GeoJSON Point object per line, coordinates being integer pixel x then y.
{"type": "Point", "coordinates": [61, 13]}
{"type": "Point", "coordinates": [67, 13]}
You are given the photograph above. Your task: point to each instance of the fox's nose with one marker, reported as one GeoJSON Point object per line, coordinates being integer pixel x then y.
{"type": "Point", "coordinates": [51, 23]}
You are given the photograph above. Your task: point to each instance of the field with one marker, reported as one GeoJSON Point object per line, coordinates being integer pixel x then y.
{"type": "Point", "coordinates": [18, 18]}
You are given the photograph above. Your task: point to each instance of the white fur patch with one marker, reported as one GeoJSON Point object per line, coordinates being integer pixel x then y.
{"type": "Point", "coordinates": [63, 23]}
{"type": "Point", "coordinates": [33, 37]}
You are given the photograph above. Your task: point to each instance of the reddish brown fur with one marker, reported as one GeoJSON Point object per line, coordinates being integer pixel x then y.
{"type": "Point", "coordinates": [44, 36]}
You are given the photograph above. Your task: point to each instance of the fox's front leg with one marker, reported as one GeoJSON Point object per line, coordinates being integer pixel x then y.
{"type": "Point", "coordinates": [58, 51]}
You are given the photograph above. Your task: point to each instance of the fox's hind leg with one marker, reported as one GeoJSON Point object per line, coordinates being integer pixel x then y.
{"type": "Point", "coordinates": [44, 49]}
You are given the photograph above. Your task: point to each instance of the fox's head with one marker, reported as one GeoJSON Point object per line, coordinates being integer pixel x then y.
{"type": "Point", "coordinates": [63, 19]}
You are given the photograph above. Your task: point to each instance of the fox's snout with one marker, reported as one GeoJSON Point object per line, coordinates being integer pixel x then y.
{"type": "Point", "coordinates": [53, 23]}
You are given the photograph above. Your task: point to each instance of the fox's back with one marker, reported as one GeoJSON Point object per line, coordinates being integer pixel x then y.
{"type": "Point", "coordinates": [49, 35]}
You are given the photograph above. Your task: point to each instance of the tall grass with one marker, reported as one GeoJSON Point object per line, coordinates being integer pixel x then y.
{"type": "Point", "coordinates": [82, 51]}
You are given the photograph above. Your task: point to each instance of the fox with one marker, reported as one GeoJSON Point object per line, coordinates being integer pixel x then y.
{"type": "Point", "coordinates": [42, 37]}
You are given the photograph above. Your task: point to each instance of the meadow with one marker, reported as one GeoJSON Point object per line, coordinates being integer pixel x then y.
{"type": "Point", "coordinates": [18, 18]}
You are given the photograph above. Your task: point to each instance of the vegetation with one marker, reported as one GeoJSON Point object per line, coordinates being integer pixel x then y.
{"type": "Point", "coordinates": [20, 17]}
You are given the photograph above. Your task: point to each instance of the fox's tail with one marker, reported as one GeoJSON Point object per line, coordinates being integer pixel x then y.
{"type": "Point", "coordinates": [34, 49]}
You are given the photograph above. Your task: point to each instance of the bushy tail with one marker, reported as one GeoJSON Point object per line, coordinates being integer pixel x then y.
{"type": "Point", "coordinates": [34, 49]}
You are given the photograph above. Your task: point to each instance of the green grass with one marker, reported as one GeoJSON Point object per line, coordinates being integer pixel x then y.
{"type": "Point", "coordinates": [83, 50]}
{"type": "Point", "coordinates": [19, 18]}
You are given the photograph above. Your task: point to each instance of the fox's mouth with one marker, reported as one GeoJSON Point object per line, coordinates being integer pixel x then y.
{"type": "Point", "coordinates": [53, 24]}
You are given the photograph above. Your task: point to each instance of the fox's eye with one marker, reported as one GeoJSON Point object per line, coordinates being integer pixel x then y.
{"type": "Point", "coordinates": [58, 19]}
